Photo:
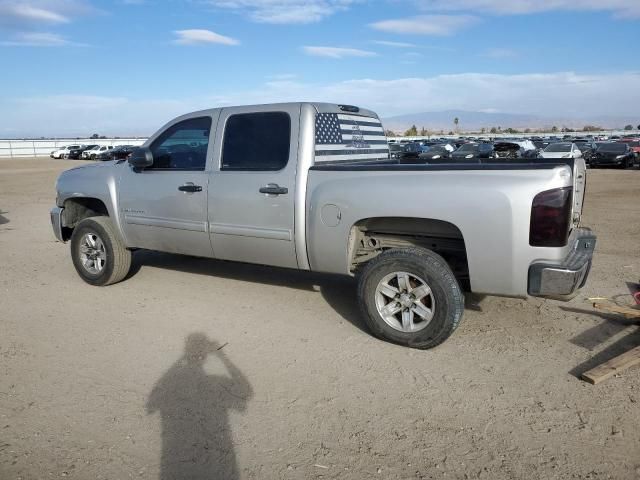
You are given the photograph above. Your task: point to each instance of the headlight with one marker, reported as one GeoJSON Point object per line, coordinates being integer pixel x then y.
{"type": "Point", "coordinates": [435, 157]}
{"type": "Point", "coordinates": [469, 156]}
{"type": "Point", "coordinates": [619, 157]}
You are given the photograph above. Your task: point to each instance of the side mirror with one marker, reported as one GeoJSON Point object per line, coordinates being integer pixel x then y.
{"type": "Point", "coordinates": [141, 158]}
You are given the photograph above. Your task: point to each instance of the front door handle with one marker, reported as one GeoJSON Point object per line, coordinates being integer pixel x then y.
{"type": "Point", "coordinates": [190, 188]}
{"type": "Point", "coordinates": [274, 189]}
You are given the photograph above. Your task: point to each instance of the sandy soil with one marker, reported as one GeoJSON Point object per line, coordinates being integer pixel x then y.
{"type": "Point", "coordinates": [129, 381]}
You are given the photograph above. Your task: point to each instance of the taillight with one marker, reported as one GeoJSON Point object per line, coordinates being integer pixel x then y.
{"type": "Point", "coordinates": [550, 218]}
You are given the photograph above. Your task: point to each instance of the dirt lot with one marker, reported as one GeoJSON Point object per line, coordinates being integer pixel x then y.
{"type": "Point", "coordinates": [121, 382]}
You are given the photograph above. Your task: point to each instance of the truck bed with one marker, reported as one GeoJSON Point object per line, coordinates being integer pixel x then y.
{"type": "Point", "coordinates": [395, 166]}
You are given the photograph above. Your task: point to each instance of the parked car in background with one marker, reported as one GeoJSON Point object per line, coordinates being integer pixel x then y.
{"type": "Point", "coordinates": [437, 154]}
{"type": "Point", "coordinates": [586, 148]}
{"type": "Point", "coordinates": [76, 153]}
{"type": "Point", "coordinates": [561, 150]}
{"type": "Point", "coordinates": [514, 149]}
{"type": "Point", "coordinates": [634, 144]}
{"type": "Point", "coordinates": [396, 150]}
{"type": "Point", "coordinates": [405, 151]}
{"type": "Point", "coordinates": [61, 152]}
{"type": "Point", "coordinates": [116, 153]}
{"type": "Point", "coordinates": [612, 154]}
{"type": "Point", "coordinates": [412, 151]}
{"type": "Point", "coordinates": [472, 152]}
{"type": "Point", "coordinates": [92, 153]}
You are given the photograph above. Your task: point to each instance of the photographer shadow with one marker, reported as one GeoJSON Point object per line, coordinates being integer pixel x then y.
{"type": "Point", "coordinates": [197, 443]}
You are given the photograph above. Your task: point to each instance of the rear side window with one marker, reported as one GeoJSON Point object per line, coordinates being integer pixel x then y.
{"type": "Point", "coordinates": [256, 141]}
{"type": "Point", "coordinates": [182, 146]}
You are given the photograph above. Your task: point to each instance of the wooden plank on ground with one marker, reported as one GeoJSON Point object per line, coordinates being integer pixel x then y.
{"type": "Point", "coordinates": [626, 311]}
{"type": "Point", "coordinates": [613, 366]}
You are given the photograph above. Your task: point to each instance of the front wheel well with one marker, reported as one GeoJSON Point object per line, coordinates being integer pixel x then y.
{"type": "Point", "coordinates": [77, 209]}
{"type": "Point", "coordinates": [372, 236]}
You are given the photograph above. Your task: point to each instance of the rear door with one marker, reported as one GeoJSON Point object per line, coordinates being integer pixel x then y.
{"type": "Point", "coordinates": [252, 188]}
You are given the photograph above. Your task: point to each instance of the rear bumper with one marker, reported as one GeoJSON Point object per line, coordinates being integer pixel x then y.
{"type": "Point", "coordinates": [564, 279]}
{"type": "Point", "coordinates": [56, 222]}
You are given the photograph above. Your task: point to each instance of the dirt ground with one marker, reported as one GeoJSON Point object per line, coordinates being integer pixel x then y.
{"type": "Point", "coordinates": [202, 369]}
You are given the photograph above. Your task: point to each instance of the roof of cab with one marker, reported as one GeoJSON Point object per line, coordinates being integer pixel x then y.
{"type": "Point", "coordinates": [320, 107]}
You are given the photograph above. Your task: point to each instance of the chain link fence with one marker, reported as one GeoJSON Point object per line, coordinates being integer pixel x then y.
{"type": "Point", "coordinates": [44, 147]}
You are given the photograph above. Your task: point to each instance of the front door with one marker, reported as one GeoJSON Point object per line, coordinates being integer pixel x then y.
{"type": "Point", "coordinates": [164, 207]}
{"type": "Point", "coordinates": [252, 190]}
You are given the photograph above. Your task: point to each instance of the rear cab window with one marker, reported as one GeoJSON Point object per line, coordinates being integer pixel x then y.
{"type": "Point", "coordinates": [345, 137]}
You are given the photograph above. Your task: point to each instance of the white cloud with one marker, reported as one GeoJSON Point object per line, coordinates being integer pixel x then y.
{"type": "Point", "coordinates": [425, 24]}
{"type": "Point", "coordinates": [38, 39]}
{"type": "Point", "coordinates": [559, 95]}
{"type": "Point", "coordinates": [621, 8]}
{"type": "Point", "coordinates": [30, 13]}
{"type": "Point", "coordinates": [543, 94]}
{"type": "Point", "coordinates": [22, 14]}
{"type": "Point", "coordinates": [337, 52]}
{"type": "Point", "coordinates": [394, 44]}
{"type": "Point", "coordinates": [202, 37]}
{"type": "Point", "coordinates": [285, 11]}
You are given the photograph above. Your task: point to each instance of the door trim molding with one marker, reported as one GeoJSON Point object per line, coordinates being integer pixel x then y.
{"type": "Point", "coordinates": [246, 231]}
{"type": "Point", "coordinates": [174, 223]}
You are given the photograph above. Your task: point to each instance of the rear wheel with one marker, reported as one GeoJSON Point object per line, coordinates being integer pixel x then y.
{"type": "Point", "coordinates": [98, 253]}
{"type": "Point", "coordinates": [410, 297]}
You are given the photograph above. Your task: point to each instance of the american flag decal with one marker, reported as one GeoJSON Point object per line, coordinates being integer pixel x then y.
{"type": "Point", "coordinates": [349, 137]}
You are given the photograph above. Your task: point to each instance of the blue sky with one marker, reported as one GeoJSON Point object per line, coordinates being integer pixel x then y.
{"type": "Point", "coordinates": [127, 66]}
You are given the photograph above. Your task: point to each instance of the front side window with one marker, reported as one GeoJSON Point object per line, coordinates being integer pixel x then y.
{"type": "Point", "coordinates": [256, 141]}
{"type": "Point", "coordinates": [182, 146]}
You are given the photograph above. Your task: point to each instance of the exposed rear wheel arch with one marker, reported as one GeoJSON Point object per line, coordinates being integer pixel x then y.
{"type": "Point", "coordinates": [372, 236]}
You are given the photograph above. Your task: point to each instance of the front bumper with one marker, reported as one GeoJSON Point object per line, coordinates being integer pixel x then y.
{"type": "Point", "coordinates": [56, 222]}
{"type": "Point", "coordinates": [563, 280]}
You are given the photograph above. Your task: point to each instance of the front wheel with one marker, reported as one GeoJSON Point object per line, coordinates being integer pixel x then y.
{"type": "Point", "coordinates": [98, 253]}
{"type": "Point", "coordinates": [411, 297]}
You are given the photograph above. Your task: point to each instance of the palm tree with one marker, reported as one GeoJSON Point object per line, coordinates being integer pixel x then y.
{"type": "Point", "coordinates": [455, 122]}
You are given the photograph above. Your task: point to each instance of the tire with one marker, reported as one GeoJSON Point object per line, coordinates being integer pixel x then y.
{"type": "Point", "coordinates": [443, 305]}
{"type": "Point", "coordinates": [114, 260]}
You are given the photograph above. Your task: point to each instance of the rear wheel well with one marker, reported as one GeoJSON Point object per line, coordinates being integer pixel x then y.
{"type": "Point", "coordinates": [77, 209]}
{"type": "Point", "coordinates": [372, 236]}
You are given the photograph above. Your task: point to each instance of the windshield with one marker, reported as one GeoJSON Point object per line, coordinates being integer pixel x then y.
{"type": "Point", "coordinates": [394, 147]}
{"type": "Point", "coordinates": [612, 147]}
{"type": "Point", "coordinates": [469, 147]}
{"type": "Point", "coordinates": [558, 147]}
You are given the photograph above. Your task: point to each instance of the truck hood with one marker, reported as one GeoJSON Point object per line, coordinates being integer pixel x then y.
{"type": "Point", "coordinates": [90, 166]}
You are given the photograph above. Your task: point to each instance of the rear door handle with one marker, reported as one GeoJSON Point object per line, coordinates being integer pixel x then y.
{"type": "Point", "coordinates": [274, 189]}
{"type": "Point", "coordinates": [190, 188]}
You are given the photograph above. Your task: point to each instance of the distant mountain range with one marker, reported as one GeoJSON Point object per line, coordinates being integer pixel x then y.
{"type": "Point", "coordinates": [474, 121]}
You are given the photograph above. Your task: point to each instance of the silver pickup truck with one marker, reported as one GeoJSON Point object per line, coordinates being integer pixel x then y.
{"type": "Point", "coordinates": [311, 186]}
